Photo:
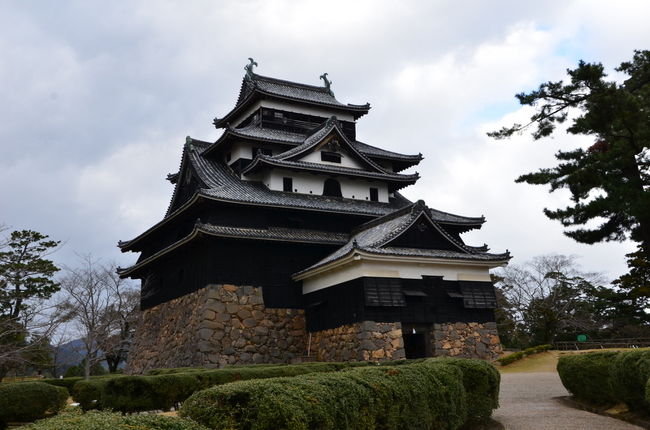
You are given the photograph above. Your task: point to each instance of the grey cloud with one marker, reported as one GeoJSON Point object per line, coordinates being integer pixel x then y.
{"type": "Point", "coordinates": [97, 99]}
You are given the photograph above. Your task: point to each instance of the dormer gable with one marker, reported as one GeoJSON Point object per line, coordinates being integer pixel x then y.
{"type": "Point", "coordinates": [423, 233]}
{"type": "Point", "coordinates": [329, 145]}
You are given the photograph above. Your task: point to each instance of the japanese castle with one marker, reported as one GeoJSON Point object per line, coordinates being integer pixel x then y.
{"type": "Point", "coordinates": [287, 239]}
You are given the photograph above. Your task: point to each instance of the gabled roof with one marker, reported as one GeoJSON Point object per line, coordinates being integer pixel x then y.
{"type": "Point", "coordinates": [267, 234]}
{"type": "Point", "coordinates": [223, 185]}
{"type": "Point", "coordinates": [259, 86]}
{"type": "Point", "coordinates": [291, 159]}
{"type": "Point", "coordinates": [395, 180]}
{"type": "Point", "coordinates": [374, 237]}
{"type": "Point", "coordinates": [330, 126]}
{"type": "Point", "coordinates": [184, 169]}
{"type": "Point", "coordinates": [256, 133]}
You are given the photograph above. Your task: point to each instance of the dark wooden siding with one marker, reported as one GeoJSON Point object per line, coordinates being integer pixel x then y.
{"type": "Point", "coordinates": [346, 303]}
{"type": "Point", "coordinates": [210, 260]}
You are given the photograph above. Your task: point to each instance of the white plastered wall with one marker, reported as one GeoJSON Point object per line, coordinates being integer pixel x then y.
{"type": "Point", "coordinates": [244, 150]}
{"type": "Point", "coordinates": [346, 160]}
{"type": "Point", "coordinates": [403, 270]}
{"type": "Point", "coordinates": [307, 183]}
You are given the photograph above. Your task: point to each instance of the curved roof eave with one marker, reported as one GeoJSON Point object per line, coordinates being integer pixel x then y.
{"type": "Point", "coordinates": [357, 111]}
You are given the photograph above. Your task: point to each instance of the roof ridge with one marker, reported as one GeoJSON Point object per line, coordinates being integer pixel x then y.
{"type": "Point", "coordinates": [482, 217]}
{"type": "Point", "coordinates": [384, 218]}
{"type": "Point", "coordinates": [332, 123]}
{"type": "Point", "coordinates": [255, 76]}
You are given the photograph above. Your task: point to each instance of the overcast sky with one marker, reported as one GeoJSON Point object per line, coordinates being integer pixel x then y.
{"type": "Point", "coordinates": [96, 99]}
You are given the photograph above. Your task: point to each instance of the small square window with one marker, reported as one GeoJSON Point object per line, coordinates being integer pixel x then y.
{"type": "Point", "coordinates": [332, 157]}
{"type": "Point", "coordinates": [374, 194]}
{"type": "Point", "coordinates": [287, 184]}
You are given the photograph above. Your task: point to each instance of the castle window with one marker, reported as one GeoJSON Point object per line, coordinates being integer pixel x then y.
{"type": "Point", "coordinates": [332, 188]}
{"type": "Point", "coordinates": [332, 157]}
{"type": "Point", "coordinates": [374, 194]}
{"type": "Point", "coordinates": [477, 295]}
{"type": "Point", "coordinates": [385, 292]}
{"type": "Point", "coordinates": [287, 184]}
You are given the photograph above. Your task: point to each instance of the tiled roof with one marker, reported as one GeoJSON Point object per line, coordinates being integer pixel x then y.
{"type": "Point", "coordinates": [448, 218]}
{"type": "Point", "coordinates": [336, 170]}
{"type": "Point", "coordinates": [256, 132]}
{"type": "Point", "coordinates": [221, 183]}
{"type": "Point", "coordinates": [373, 151]}
{"type": "Point", "coordinates": [272, 233]}
{"type": "Point", "coordinates": [313, 139]}
{"type": "Point", "coordinates": [287, 90]}
{"type": "Point", "coordinates": [290, 159]}
{"type": "Point", "coordinates": [293, 90]}
{"type": "Point", "coordinates": [276, 233]}
{"type": "Point", "coordinates": [374, 235]}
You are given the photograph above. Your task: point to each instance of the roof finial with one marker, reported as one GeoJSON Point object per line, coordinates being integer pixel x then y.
{"type": "Point", "coordinates": [328, 84]}
{"type": "Point", "coordinates": [249, 68]}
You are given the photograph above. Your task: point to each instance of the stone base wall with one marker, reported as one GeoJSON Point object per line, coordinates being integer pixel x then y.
{"type": "Point", "coordinates": [469, 340]}
{"type": "Point", "coordinates": [227, 324]}
{"type": "Point", "coordinates": [216, 326]}
{"type": "Point", "coordinates": [362, 341]}
{"type": "Point", "coordinates": [166, 335]}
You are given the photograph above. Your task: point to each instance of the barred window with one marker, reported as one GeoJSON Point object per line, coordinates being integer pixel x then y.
{"type": "Point", "coordinates": [383, 292]}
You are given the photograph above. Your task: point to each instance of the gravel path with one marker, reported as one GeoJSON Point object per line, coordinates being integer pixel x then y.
{"type": "Point", "coordinates": [527, 404]}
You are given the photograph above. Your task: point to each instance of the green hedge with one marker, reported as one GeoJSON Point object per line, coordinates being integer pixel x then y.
{"type": "Point", "coordinates": [516, 356]}
{"type": "Point", "coordinates": [68, 383]}
{"type": "Point", "coordinates": [481, 381]}
{"type": "Point", "coordinates": [588, 376]}
{"type": "Point", "coordinates": [96, 420]}
{"type": "Point", "coordinates": [609, 377]}
{"type": "Point", "coordinates": [162, 391]}
{"type": "Point", "coordinates": [437, 393]}
{"type": "Point", "coordinates": [28, 401]}
{"type": "Point", "coordinates": [629, 375]}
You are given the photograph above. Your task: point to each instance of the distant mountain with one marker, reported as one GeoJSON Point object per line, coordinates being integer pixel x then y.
{"type": "Point", "coordinates": [68, 355]}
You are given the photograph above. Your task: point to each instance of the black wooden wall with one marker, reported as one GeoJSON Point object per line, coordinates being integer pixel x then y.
{"type": "Point", "coordinates": [210, 260]}
{"type": "Point", "coordinates": [425, 301]}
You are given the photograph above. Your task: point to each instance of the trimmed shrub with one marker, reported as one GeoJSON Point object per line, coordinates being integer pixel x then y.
{"type": "Point", "coordinates": [588, 376]}
{"type": "Point", "coordinates": [481, 381]}
{"type": "Point", "coordinates": [95, 420]}
{"type": "Point", "coordinates": [68, 383]}
{"type": "Point", "coordinates": [162, 391]}
{"type": "Point", "coordinates": [175, 370]}
{"type": "Point", "coordinates": [429, 394]}
{"type": "Point", "coordinates": [515, 356]}
{"type": "Point", "coordinates": [28, 401]}
{"type": "Point", "coordinates": [629, 376]}
{"type": "Point", "coordinates": [145, 393]}
{"type": "Point", "coordinates": [89, 393]}
{"type": "Point", "coordinates": [521, 354]}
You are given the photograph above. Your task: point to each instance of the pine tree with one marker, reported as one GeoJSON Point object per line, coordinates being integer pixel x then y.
{"type": "Point", "coordinates": [610, 180]}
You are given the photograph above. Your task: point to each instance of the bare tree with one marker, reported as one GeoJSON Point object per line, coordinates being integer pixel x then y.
{"type": "Point", "coordinates": [121, 316]}
{"type": "Point", "coordinates": [99, 303]}
{"type": "Point", "coordinates": [25, 340]}
{"type": "Point", "coordinates": [545, 296]}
